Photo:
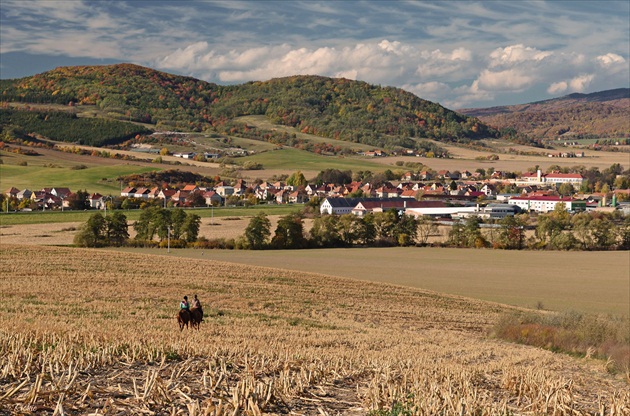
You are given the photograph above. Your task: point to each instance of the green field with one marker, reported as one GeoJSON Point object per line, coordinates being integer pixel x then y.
{"type": "Point", "coordinates": [592, 282]}
{"type": "Point", "coordinates": [132, 215]}
{"type": "Point", "coordinates": [293, 159]}
{"type": "Point", "coordinates": [95, 178]}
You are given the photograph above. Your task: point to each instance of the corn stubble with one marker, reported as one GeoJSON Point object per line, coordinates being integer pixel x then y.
{"type": "Point", "coordinates": [93, 332]}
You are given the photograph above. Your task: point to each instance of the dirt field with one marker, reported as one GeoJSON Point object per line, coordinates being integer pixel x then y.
{"type": "Point", "coordinates": [100, 337]}
{"type": "Point", "coordinates": [597, 282]}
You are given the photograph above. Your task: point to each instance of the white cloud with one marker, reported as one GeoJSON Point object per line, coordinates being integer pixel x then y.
{"type": "Point", "coordinates": [558, 87]}
{"type": "Point", "coordinates": [610, 59]}
{"type": "Point", "coordinates": [581, 82]}
{"type": "Point", "coordinates": [384, 62]}
{"type": "Point", "coordinates": [576, 84]}
{"type": "Point", "coordinates": [515, 54]}
{"type": "Point", "coordinates": [513, 79]}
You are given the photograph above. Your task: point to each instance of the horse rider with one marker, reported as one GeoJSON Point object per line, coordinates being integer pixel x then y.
{"type": "Point", "coordinates": [197, 305]}
{"type": "Point", "coordinates": [184, 305]}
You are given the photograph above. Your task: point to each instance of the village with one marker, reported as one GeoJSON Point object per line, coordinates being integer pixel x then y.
{"type": "Point", "coordinates": [440, 194]}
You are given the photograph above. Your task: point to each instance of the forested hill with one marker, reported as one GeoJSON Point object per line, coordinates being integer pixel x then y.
{"type": "Point", "coordinates": [334, 108]}
{"type": "Point", "coordinates": [604, 114]}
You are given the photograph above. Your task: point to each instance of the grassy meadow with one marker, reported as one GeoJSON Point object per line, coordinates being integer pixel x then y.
{"type": "Point", "coordinates": [58, 169]}
{"type": "Point", "coordinates": [97, 334]}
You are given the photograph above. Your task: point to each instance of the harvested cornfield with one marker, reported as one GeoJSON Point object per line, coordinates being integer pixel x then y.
{"type": "Point", "coordinates": [94, 332]}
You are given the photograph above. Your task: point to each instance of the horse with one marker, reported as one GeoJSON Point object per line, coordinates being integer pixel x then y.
{"type": "Point", "coordinates": [183, 318]}
{"type": "Point", "coordinates": [196, 316]}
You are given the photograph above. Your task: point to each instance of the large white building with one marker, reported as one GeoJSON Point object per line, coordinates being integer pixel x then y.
{"type": "Point", "coordinates": [539, 178]}
{"type": "Point", "coordinates": [546, 203]}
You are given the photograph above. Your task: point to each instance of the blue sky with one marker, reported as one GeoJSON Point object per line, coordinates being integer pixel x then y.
{"type": "Point", "coordinates": [458, 53]}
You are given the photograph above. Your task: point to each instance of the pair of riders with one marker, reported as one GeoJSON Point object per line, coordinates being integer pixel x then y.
{"type": "Point", "coordinates": [195, 304]}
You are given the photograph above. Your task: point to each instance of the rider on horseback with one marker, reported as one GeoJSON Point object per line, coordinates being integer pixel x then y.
{"type": "Point", "coordinates": [197, 305]}
{"type": "Point", "coordinates": [184, 304]}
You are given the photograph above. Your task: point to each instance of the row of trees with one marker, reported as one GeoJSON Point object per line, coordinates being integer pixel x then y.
{"type": "Point", "coordinates": [557, 231]}
{"type": "Point", "coordinates": [380, 229]}
{"type": "Point", "coordinates": [171, 224]}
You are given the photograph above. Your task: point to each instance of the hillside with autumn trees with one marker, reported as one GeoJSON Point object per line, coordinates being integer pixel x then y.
{"type": "Point", "coordinates": [604, 114]}
{"type": "Point", "coordinates": [333, 108]}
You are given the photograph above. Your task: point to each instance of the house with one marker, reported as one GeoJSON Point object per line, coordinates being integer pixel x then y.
{"type": "Point", "coordinates": [190, 188]}
{"type": "Point", "coordinates": [375, 153]}
{"type": "Point", "coordinates": [12, 192]}
{"type": "Point", "coordinates": [142, 193]}
{"type": "Point", "coordinates": [282, 196]}
{"type": "Point", "coordinates": [153, 192]}
{"type": "Point", "coordinates": [212, 198]}
{"type": "Point", "coordinates": [387, 192]}
{"type": "Point", "coordinates": [224, 190]}
{"type": "Point", "coordinates": [128, 192]}
{"type": "Point", "coordinates": [488, 189]}
{"type": "Point", "coordinates": [24, 194]}
{"type": "Point", "coordinates": [166, 194]}
{"type": "Point", "coordinates": [96, 201]}
{"type": "Point", "coordinates": [298, 197]}
{"type": "Point", "coordinates": [407, 176]}
{"type": "Point", "coordinates": [60, 192]}
{"type": "Point", "coordinates": [444, 174]}
{"type": "Point", "coordinates": [179, 197]}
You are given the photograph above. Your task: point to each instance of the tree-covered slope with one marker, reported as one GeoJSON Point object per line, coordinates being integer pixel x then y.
{"type": "Point", "coordinates": [335, 108]}
{"type": "Point", "coordinates": [601, 114]}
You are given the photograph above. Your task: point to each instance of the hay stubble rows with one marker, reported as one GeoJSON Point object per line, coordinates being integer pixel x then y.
{"type": "Point", "coordinates": [87, 331]}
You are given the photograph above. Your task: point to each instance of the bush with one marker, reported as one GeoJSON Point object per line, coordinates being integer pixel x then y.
{"type": "Point", "coordinates": [571, 332]}
{"type": "Point", "coordinates": [215, 243]}
{"type": "Point", "coordinates": [173, 243]}
{"type": "Point", "coordinates": [142, 243]}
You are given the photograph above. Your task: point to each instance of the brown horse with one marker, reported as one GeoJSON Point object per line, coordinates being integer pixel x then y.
{"type": "Point", "coordinates": [183, 318]}
{"type": "Point", "coordinates": [196, 316]}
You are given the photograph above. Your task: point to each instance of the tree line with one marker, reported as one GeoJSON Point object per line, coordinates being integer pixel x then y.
{"type": "Point", "coordinates": [155, 227]}
{"type": "Point", "coordinates": [557, 230]}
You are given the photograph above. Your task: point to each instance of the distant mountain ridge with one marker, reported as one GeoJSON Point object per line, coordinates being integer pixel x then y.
{"type": "Point", "coordinates": [329, 107]}
{"type": "Point", "coordinates": [598, 114]}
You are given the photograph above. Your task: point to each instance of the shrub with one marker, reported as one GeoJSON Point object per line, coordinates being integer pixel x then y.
{"type": "Point", "coordinates": [571, 332]}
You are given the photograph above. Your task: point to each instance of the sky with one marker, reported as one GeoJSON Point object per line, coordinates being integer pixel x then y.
{"type": "Point", "coordinates": [461, 54]}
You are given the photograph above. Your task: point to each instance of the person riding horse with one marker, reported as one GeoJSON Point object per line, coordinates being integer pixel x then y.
{"type": "Point", "coordinates": [184, 315]}
{"type": "Point", "coordinates": [196, 305]}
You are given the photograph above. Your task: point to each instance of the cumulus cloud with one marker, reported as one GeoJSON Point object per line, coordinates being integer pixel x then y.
{"type": "Point", "coordinates": [581, 82]}
{"type": "Point", "coordinates": [610, 59]}
{"type": "Point", "coordinates": [516, 54]}
{"type": "Point", "coordinates": [512, 79]}
{"type": "Point", "coordinates": [576, 84]}
{"type": "Point", "coordinates": [558, 87]}
{"type": "Point", "coordinates": [383, 62]}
